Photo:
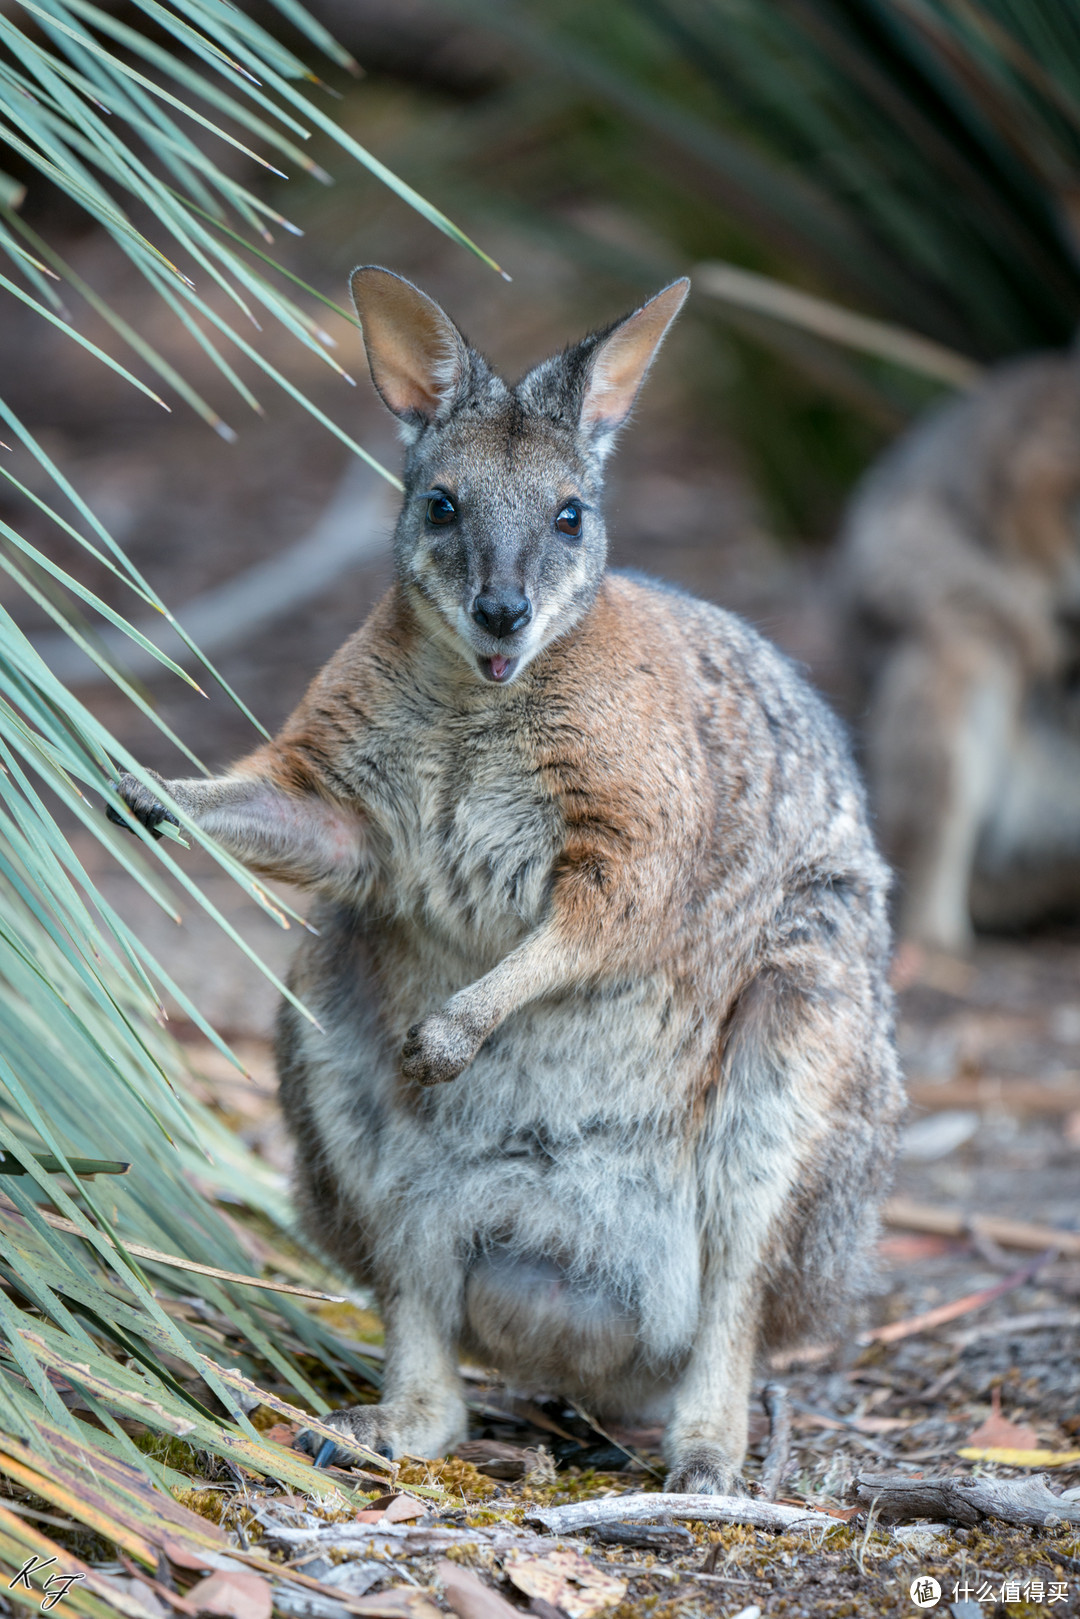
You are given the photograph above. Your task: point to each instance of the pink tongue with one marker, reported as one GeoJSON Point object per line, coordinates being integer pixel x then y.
{"type": "Point", "coordinates": [499, 666]}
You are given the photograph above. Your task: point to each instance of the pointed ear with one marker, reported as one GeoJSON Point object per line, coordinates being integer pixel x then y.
{"type": "Point", "coordinates": [416, 354]}
{"type": "Point", "coordinates": [621, 359]}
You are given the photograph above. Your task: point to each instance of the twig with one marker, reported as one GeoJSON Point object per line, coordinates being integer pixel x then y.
{"type": "Point", "coordinates": [948, 1312]}
{"type": "Point", "coordinates": [1010, 1095]}
{"type": "Point", "coordinates": [775, 1400]}
{"type": "Point", "coordinates": [643, 1571]}
{"type": "Point", "coordinates": [861, 1553]}
{"type": "Point", "coordinates": [963, 1500]}
{"type": "Point", "coordinates": [1033, 1321]}
{"type": "Point", "coordinates": [634, 1455]}
{"type": "Point", "coordinates": [704, 1508]}
{"type": "Point", "coordinates": [907, 1216]}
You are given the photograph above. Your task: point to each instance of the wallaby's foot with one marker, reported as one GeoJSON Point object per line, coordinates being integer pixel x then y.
{"type": "Point", "coordinates": [143, 805]}
{"type": "Point", "coordinates": [391, 1430]}
{"type": "Point", "coordinates": [437, 1049]}
{"type": "Point", "coordinates": [705, 1469]}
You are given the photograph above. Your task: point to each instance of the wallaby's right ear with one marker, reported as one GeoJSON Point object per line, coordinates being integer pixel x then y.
{"type": "Point", "coordinates": [416, 354]}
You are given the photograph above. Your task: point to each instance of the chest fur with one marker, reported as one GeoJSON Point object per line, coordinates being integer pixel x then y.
{"type": "Point", "coordinates": [467, 833]}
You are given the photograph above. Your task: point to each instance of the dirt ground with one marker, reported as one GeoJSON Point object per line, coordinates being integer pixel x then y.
{"type": "Point", "coordinates": [991, 1046]}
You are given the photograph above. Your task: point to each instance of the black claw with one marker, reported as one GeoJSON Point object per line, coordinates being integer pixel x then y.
{"type": "Point", "coordinates": [324, 1456]}
{"type": "Point", "coordinates": [148, 814]}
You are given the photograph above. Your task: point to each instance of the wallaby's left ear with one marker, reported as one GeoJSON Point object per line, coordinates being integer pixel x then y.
{"type": "Point", "coordinates": [622, 358]}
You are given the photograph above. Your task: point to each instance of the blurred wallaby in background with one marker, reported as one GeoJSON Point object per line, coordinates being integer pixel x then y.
{"type": "Point", "coordinates": [960, 574]}
{"type": "Point", "coordinates": [592, 851]}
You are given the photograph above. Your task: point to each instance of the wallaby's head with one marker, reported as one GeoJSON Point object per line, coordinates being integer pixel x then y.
{"type": "Point", "coordinates": [501, 542]}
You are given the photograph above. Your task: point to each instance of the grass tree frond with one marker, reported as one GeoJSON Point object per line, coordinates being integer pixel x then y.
{"type": "Point", "coordinates": [128, 117]}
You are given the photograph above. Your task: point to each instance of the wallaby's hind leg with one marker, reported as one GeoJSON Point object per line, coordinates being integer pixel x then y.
{"type": "Point", "coordinates": [422, 1410]}
{"type": "Point", "coordinates": [793, 1161]}
{"type": "Point", "coordinates": [940, 728]}
{"type": "Point", "coordinates": [1028, 863]}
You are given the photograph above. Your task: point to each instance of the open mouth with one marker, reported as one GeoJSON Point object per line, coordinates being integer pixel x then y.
{"type": "Point", "coordinates": [498, 669]}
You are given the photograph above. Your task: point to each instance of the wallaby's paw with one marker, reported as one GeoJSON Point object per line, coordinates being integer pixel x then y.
{"type": "Point", "coordinates": [368, 1425]}
{"type": "Point", "coordinates": [419, 1428]}
{"type": "Point", "coordinates": [705, 1469]}
{"type": "Point", "coordinates": [143, 805]}
{"type": "Point", "coordinates": [437, 1049]}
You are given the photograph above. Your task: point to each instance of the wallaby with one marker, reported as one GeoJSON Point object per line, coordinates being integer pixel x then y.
{"type": "Point", "coordinates": [593, 852]}
{"type": "Point", "coordinates": [959, 567]}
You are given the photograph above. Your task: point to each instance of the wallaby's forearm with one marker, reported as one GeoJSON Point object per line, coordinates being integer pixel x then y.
{"type": "Point", "coordinates": [598, 922]}
{"type": "Point", "coordinates": [292, 834]}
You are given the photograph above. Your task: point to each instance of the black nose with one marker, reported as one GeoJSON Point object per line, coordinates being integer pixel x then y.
{"type": "Point", "coordinates": [501, 615]}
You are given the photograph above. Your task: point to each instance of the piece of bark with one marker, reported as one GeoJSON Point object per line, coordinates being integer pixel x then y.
{"type": "Point", "coordinates": [469, 1597]}
{"type": "Point", "coordinates": [949, 1312]}
{"type": "Point", "coordinates": [775, 1400]}
{"type": "Point", "coordinates": [704, 1508]}
{"type": "Point", "coordinates": [896, 1497]}
{"type": "Point", "coordinates": [496, 1459]}
{"type": "Point", "coordinates": [905, 1215]}
{"type": "Point", "coordinates": [650, 1536]}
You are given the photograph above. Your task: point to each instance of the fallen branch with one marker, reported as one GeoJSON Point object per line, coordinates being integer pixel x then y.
{"type": "Point", "coordinates": [948, 1312]}
{"type": "Point", "coordinates": [896, 1497]}
{"type": "Point", "coordinates": [775, 1400]}
{"type": "Point", "coordinates": [702, 1508]}
{"type": "Point", "coordinates": [748, 289]}
{"type": "Point", "coordinates": [903, 1215]}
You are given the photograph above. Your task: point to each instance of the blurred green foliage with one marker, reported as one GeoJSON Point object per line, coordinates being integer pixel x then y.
{"type": "Point", "coordinates": [916, 160]}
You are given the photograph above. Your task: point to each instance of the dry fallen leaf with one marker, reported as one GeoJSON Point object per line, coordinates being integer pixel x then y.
{"type": "Point", "coordinates": [818, 1419]}
{"type": "Point", "coordinates": [998, 1433]}
{"type": "Point", "coordinates": [233, 1596]}
{"type": "Point", "coordinates": [400, 1602]}
{"type": "Point", "coordinates": [568, 1581]}
{"type": "Point", "coordinates": [282, 1433]}
{"type": "Point", "coordinates": [403, 1508]}
{"type": "Point", "coordinates": [469, 1597]}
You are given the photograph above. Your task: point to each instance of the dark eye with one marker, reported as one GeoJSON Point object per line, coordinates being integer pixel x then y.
{"type": "Point", "coordinates": [569, 521]}
{"type": "Point", "coordinates": [441, 509]}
